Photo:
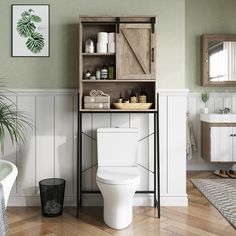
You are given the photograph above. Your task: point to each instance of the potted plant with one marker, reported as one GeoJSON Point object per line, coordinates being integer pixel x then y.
{"type": "Point", "coordinates": [12, 122]}
{"type": "Point", "coordinates": [205, 98]}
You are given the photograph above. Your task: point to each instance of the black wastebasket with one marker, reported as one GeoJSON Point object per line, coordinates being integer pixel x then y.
{"type": "Point", "coordinates": [52, 196]}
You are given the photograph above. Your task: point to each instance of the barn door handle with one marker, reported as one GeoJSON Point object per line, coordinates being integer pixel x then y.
{"type": "Point", "coordinates": [152, 55]}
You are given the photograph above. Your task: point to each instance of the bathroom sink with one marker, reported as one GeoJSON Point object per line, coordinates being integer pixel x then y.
{"type": "Point", "coordinates": [218, 118]}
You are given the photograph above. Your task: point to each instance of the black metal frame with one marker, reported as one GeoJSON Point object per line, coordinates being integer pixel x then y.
{"type": "Point", "coordinates": [48, 25]}
{"type": "Point", "coordinates": [118, 21]}
{"type": "Point", "coordinates": [156, 172]}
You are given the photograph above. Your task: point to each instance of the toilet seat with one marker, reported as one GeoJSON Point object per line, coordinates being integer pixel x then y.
{"type": "Point", "coordinates": [118, 175]}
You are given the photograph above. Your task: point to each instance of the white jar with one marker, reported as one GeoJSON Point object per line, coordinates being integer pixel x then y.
{"type": "Point", "coordinates": [89, 46]}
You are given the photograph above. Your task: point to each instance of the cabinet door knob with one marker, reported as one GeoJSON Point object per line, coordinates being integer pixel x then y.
{"type": "Point", "coordinates": [232, 135]}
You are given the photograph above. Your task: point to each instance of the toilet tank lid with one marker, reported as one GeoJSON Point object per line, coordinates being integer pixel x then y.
{"type": "Point", "coordinates": [117, 130]}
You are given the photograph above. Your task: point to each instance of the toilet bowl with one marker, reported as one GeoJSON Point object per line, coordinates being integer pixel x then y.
{"type": "Point", "coordinates": [118, 186]}
{"type": "Point", "coordinates": [117, 176]}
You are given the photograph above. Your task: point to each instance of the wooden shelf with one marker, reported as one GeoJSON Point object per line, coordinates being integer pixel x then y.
{"type": "Point", "coordinates": [97, 54]}
{"type": "Point", "coordinates": [117, 110]}
{"type": "Point", "coordinates": [117, 81]}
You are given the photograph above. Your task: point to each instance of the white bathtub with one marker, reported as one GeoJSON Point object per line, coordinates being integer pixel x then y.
{"type": "Point", "coordinates": [8, 173]}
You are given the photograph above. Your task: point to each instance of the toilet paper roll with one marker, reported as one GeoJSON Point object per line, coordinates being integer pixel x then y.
{"type": "Point", "coordinates": [102, 47]}
{"type": "Point", "coordinates": [111, 47]}
{"type": "Point", "coordinates": [102, 37]}
{"type": "Point", "coordinates": [111, 37]}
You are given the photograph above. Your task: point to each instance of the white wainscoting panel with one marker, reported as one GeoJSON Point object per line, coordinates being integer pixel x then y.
{"type": "Point", "coordinates": [195, 105]}
{"type": "Point", "coordinates": [45, 137]}
{"type": "Point", "coordinates": [172, 107]}
{"type": "Point", "coordinates": [26, 156]}
{"type": "Point", "coordinates": [50, 149]}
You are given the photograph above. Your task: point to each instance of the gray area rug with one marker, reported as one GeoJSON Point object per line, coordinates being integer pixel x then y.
{"type": "Point", "coordinates": [222, 194]}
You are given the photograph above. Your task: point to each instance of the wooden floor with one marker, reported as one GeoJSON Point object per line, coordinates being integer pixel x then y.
{"type": "Point", "coordinates": [199, 218]}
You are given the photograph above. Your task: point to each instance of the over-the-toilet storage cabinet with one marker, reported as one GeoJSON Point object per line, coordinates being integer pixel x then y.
{"type": "Point", "coordinates": [134, 61]}
{"type": "Point", "coordinates": [134, 58]}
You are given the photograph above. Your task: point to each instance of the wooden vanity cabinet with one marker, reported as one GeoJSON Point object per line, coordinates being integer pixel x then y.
{"type": "Point", "coordinates": [218, 142]}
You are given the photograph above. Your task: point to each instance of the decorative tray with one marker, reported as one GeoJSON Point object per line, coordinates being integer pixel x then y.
{"type": "Point", "coordinates": [134, 106]}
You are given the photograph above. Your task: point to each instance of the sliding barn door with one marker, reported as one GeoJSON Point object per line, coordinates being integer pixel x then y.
{"type": "Point", "coordinates": [135, 52]}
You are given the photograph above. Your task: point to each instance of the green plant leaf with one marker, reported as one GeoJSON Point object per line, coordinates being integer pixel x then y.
{"type": "Point", "coordinates": [36, 18]}
{"type": "Point", "coordinates": [205, 97]}
{"type": "Point", "coordinates": [35, 42]}
{"type": "Point", "coordinates": [12, 122]}
{"type": "Point", "coordinates": [25, 13]}
{"type": "Point", "coordinates": [24, 27]}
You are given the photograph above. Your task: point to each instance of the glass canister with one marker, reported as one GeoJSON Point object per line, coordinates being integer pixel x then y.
{"type": "Point", "coordinates": [89, 46]}
{"type": "Point", "coordinates": [111, 71]}
{"type": "Point", "coordinates": [142, 97]}
{"type": "Point", "coordinates": [133, 98]}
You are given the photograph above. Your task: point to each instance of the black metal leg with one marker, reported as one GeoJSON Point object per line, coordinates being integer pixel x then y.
{"type": "Point", "coordinates": [80, 160]}
{"type": "Point", "coordinates": [155, 155]}
{"type": "Point", "coordinates": [78, 168]}
{"type": "Point", "coordinates": [158, 166]}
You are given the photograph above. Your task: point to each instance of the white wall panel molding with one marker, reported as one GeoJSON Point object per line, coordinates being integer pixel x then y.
{"type": "Point", "coordinates": [35, 92]}
{"type": "Point", "coordinates": [50, 147]}
{"type": "Point", "coordinates": [172, 123]}
{"type": "Point", "coordinates": [195, 105]}
{"type": "Point", "coordinates": [173, 92]}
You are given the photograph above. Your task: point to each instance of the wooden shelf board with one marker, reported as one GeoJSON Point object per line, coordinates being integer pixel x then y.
{"type": "Point", "coordinates": [116, 81]}
{"type": "Point", "coordinates": [117, 110]}
{"type": "Point", "coordinates": [97, 54]}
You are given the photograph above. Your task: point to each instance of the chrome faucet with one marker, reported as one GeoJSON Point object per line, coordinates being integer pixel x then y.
{"type": "Point", "coordinates": [225, 110]}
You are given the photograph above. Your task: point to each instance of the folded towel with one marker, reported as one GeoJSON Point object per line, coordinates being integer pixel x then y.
{"type": "Point", "coordinates": [3, 215]}
{"type": "Point", "coordinates": [190, 139]}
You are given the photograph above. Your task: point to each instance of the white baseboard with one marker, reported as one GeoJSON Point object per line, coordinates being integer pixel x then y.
{"type": "Point", "coordinates": [96, 200]}
{"type": "Point", "coordinates": [35, 201]}
{"type": "Point", "coordinates": [208, 166]}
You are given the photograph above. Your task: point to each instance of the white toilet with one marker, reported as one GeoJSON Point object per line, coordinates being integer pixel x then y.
{"type": "Point", "coordinates": [117, 175]}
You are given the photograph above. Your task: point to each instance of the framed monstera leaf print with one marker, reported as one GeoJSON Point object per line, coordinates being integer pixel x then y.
{"type": "Point", "coordinates": [30, 30]}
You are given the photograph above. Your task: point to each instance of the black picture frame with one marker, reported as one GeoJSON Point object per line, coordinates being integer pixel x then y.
{"type": "Point", "coordinates": [33, 39]}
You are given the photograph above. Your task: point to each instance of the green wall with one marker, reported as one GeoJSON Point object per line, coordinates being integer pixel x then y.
{"type": "Point", "coordinates": [60, 70]}
{"type": "Point", "coordinates": [205, 17]}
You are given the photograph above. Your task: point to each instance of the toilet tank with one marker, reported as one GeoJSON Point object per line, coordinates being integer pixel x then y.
{"type": "Point", "coordinates": [117, 146]}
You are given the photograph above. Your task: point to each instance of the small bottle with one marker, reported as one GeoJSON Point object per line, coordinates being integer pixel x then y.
{"type": "Point", "coordinates": [120, 99]}
{"type": "Point", "coordinates": [133, 98]}
{"type": "Point", "coordinates": [89, 46]}
{"type": "Point", "coordinates": [104, 73]}
{"type": "Point", "coordinates": [142, 97]}
{"type": "Point", "coordinates": [98, 74]}
{"type": "Point", "coordinates": [111, 71]}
